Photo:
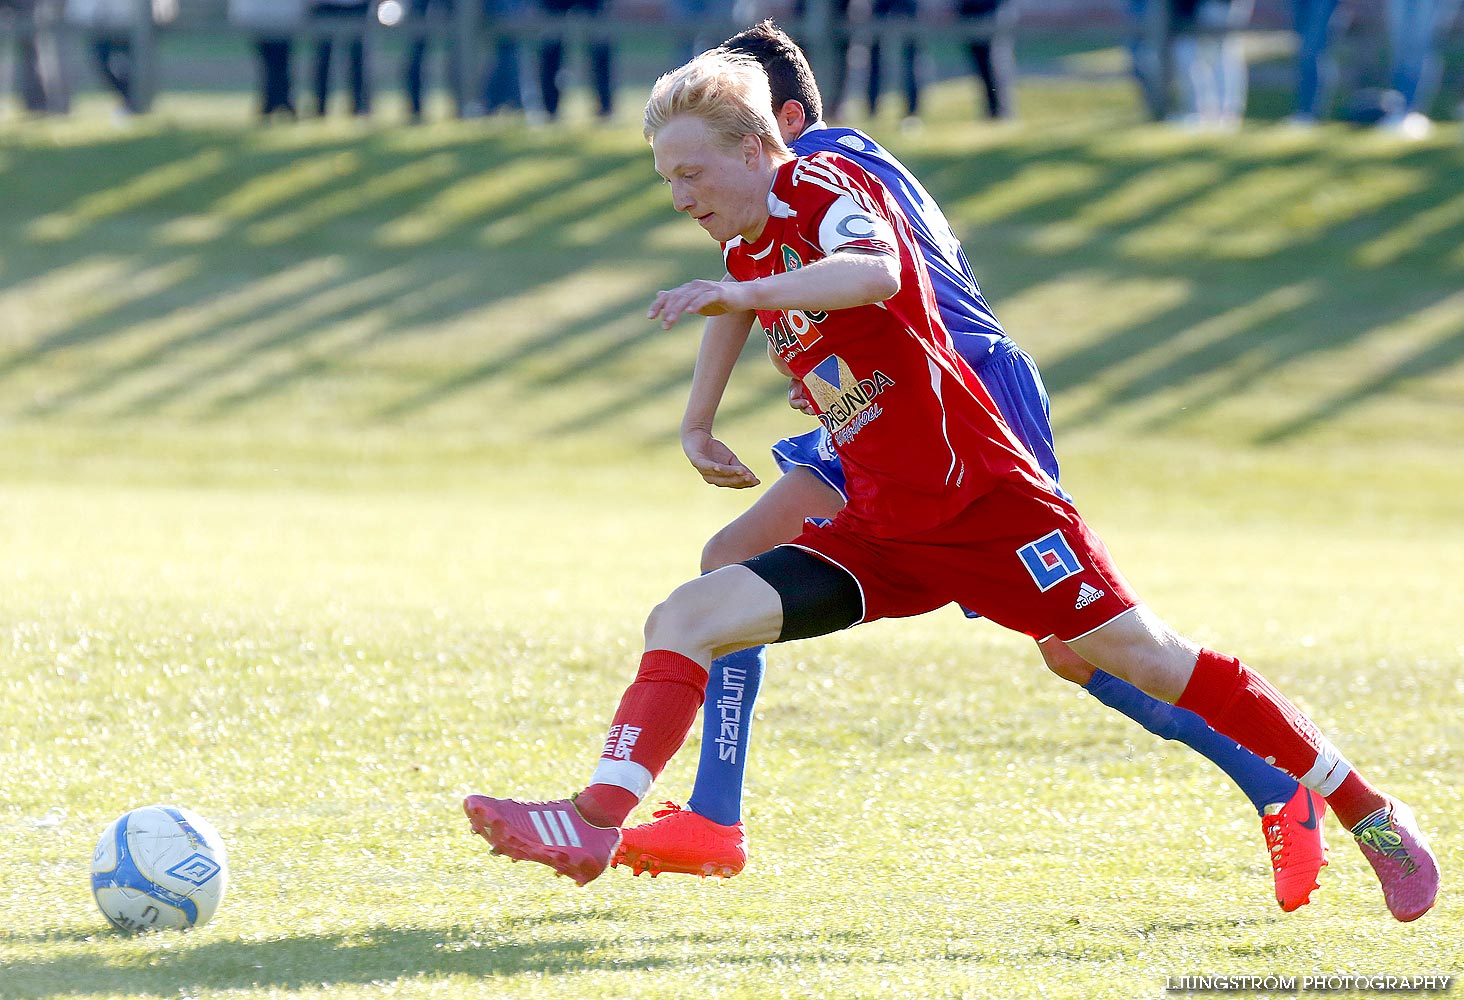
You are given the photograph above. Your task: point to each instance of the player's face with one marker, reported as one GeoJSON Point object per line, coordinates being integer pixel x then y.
{"type": "Point", "coordinates": [725, 191]}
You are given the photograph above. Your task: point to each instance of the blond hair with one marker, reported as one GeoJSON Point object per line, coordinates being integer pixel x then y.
{"type": "Point", "coordinates": [726, 90]}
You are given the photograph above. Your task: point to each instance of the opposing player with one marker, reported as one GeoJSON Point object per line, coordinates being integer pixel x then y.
{"type": "Point", "coordinates": [708, 837]}
{"type": "Point", "coordinates": [944, 504]}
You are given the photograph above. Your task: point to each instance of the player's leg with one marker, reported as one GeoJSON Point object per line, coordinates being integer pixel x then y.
{"type": "Point", "coordinates": [1288, 814]}
{"type": "Point", "coordinates": [1262, 783]}
{"type": "Point", "coordinates": [1236, 701]}
{"type": "Point", "coordinates": [707, 837]}
{"type": "Point", "coordinates": [783, 594]}
{"type": "Point", "coordinates": [776, 517]}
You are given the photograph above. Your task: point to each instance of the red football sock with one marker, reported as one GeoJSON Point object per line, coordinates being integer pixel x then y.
{"type": "Point", "coordinates": [655, 714]}
{"type": "Point", "coordinates": [1240, 703]}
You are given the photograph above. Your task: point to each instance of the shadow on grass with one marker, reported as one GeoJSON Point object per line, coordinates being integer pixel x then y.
{"type": "Point", "coordinates": [310, 249]}
{"type": "Point", "coordinates": [381, 955]}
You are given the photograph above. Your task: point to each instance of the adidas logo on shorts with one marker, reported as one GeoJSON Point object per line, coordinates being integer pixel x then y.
{"type": "Point", "coordinates": [1087, 594]}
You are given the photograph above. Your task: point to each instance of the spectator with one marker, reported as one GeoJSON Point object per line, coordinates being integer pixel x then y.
{"type": "Point", "coordinates": [838, 11]}
{"type": "Point", "coordinates": [702, 23]}
{"type": "Point", "coordinates": [39, 80]}
{"type": "Point", "coordinates": [502, 86]}
{"type": "Point", "coordinates": [1145, 57]}
{"type": "Point", "coordinates": [273, 23]}
{"type": "Point", "coordinates": [1209, 58]}
{"type": "Point", "coordinates": [426, 16]}
{"type": "Point", "coordinates": [1415, 30]}
{"type": "Point", "coordinates": [110, 24]}
{"type": "Point", "coordinates": [551, 59]}
{"type": "Point", "coordinates": [1315, 22]}
{"type": "Point", "coordinates": [885, 10]}
{"type": "Point", "coordinates": [345, 19]}
{"type": "Point", "coordinates": [993, 57]}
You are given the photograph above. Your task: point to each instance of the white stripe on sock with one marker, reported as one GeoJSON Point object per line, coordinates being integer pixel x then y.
{"type": "Point", "coordinates": [1329, 771]}
{"type": "Point", "coordinates": [626, 774]}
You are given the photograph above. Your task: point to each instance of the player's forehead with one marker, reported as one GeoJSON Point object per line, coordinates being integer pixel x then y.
{"type": "Point", "coordinates": [683, 143]}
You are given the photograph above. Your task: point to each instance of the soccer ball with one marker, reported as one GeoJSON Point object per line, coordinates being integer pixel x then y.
{"type": "Point", "coordinates": [159, 866]}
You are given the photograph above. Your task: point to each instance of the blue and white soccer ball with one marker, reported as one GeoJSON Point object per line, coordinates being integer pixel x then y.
{"type": "Point", "coordinates": [157, 867]}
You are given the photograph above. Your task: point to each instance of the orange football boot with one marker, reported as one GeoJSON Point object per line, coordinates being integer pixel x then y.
{"type": "Point", "coordinates": [679, 840]}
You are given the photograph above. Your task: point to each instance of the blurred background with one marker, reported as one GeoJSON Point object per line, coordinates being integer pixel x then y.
{"type": "Point", "coordinates": [1206, 62]}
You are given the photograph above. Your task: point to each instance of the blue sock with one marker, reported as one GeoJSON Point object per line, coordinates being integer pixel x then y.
{"type": "Point", "coordinates": [1262, 783]}
{"type": "Point", "coordinates": [732, 685]}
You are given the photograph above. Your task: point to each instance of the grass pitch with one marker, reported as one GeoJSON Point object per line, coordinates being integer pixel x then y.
{"type": "Point", "coordinates": [338, 474]}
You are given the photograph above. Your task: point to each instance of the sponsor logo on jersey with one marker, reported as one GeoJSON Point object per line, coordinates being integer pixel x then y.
{"type": "Point", "coordinates": [846, 404]}
{"type": "Point", "coordinates": [1050, 560]}
{"type": "Point", "coordinates": [795, 330]}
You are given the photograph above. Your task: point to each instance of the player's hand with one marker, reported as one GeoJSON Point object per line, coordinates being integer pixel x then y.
{"type": "Point", "coordinates": [798, 397]}
{"type": "Point", "coordinates": [705, 298]}
{"type": "Point", "coordinates": [715, 461]}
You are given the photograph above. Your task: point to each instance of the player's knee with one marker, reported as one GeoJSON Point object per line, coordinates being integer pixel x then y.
{"type": "Point", "coordinates": [726, 547]}
{"type": "Point", "coordinates": [1068, 665]}
{"type": "Point", "coordinates": [678, 622]}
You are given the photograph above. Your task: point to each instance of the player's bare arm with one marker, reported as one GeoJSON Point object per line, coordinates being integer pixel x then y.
{"type": "Point", "coordinates": [723, 339]}
{"type": "Point", "coordinates": [702, 297]}
{"type": "Point", "coordinates": [843, 280]}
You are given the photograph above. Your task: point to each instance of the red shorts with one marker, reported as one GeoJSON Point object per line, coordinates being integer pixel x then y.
{"type": "Point", "coordinates": [1022, 557]}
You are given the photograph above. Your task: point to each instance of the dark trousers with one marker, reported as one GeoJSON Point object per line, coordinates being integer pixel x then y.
{"type": "Point", "coordinates": [417, 59]}
{"type": "Point", "coordinates": [909, 53]}
{"type": "Point", "coordinates": [551, 60]}
{"type": "Point", "coordinates": [276, 88]}
{"type": "Point", "coordinates": [355, 59]}
{"type": "Point", "coordinates": [995, 64]}
{"type": "Point", "coordinates": [502, 88]}
{"type": "Point", "coordinates": [113, 56]}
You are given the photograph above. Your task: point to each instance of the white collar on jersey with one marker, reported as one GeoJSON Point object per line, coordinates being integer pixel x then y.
{"type": "Point", "coordinates": [778, 208]}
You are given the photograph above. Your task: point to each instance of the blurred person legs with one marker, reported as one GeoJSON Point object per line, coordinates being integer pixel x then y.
{"type": "Point", "coordinates": [1145, 61]}
{"type": "Point", "coordinates": [836, 95]}
{"type": "Point", "coordinates": [994, 58]}
{"type": "Point", "coordinates": [1209, 58]}
{"type": "Point", "coordinates": [700, 23]}
{"type": "Point", "coordinates": [551, 60]}
{"type": "Point", "coordinates": [39, 81]}
{"type": "Point", "coordinates": [1415, 29]}
{"type": "Point", "coordinates": [339, 15]}
{"type": "Point", "coordinates": [276, 87]}
{"type": "Point", "coordinates": [502, 85]}
{"type": "Point", "coordinates": [909, 52]}
{"type": "Point", "coordinates": [112, 54]}
{"type": "Point", "coordinates": [1315, 22]}
{"type": "Point", "coordinates": [426, 15]}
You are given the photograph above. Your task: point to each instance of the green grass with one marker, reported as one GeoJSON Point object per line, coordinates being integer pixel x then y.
{"type": "Point", "coordinates": [270, 547]}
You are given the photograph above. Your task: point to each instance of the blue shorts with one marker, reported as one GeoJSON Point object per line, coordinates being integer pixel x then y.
{"type": "Point", "coordinates": [1008, 373]}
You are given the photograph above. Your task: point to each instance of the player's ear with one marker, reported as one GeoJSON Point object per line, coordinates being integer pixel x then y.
{"type": "Point", "coordinates": [752, 148]}
{"type": "Point", "coordinates": [792, 116]}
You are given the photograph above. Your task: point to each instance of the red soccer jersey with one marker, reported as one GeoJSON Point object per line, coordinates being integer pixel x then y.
{"type": "Point", "coordinates": [917, 433]}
